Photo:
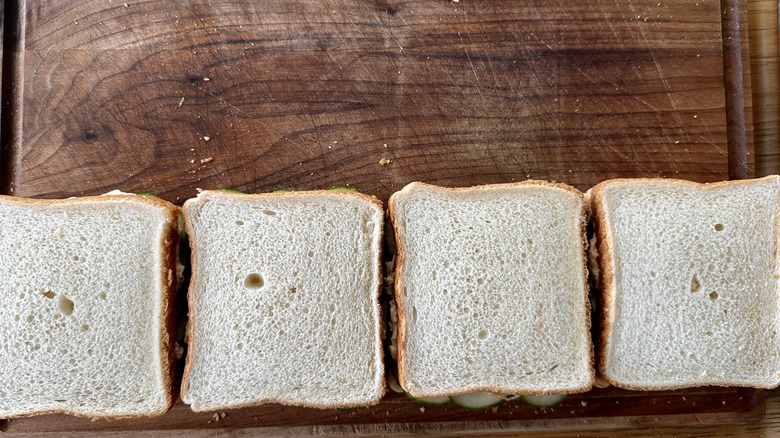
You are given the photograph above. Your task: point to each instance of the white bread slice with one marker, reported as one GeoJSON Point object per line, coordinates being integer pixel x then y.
{"type": "Point", "coordinates": [284, 300]}
{"type": "Point", "coordinates": [87, 287]}
{"type": "Point", "coordinates": [689, 283]}
{"type": "Point", "coordinates": [491, 289]}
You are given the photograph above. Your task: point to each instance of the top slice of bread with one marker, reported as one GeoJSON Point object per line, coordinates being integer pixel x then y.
{"type": "Point", "coordinates": [284, 300]}
{"type": "Point", "coordinates": [87, 287]}
{"type": "Point", "coordinates": [689, 282]}
{"type": "Point", "coordinates": [491, 289]}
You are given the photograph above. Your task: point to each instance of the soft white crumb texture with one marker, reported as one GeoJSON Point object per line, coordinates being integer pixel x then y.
{"type": "Point", "coordinates": [696, 289]}
{"type": "Point", "coordinates": [493, 290]}
{"type": "Point", "coordinates": [284, 305]}
{"type": "Point", "coordinates": [80, 323]}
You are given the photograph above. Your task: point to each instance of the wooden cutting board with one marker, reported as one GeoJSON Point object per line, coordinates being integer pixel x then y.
{"type": "Point", "coordinates": [168, 97]}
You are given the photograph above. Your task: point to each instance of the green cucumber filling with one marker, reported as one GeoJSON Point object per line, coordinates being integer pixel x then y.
{"type": "Point", "coordinates": [477, 400]}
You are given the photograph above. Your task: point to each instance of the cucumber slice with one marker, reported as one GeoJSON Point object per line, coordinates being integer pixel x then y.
{"type": "Point", "coordinates": [347, 189]}
{"type": "Point", "coordinates": [477, 401]}
{"type": "Point", "coordinates": [430, 401]}
{"type": "Point", "coordinates": [392, 382]}
{"type": "Point", "coordinates": [228, 190]}
{"type": "Point", "coordinates": [544, 401]}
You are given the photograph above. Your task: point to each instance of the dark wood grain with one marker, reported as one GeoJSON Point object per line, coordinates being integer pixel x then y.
{"type": "Point", "coordinates": [168, 97]}
{"type": "Point", "coordinates": [765, 81]}
{"type": "Point", "coordinates": [606, 408]}
{"type": "Point", "coordinates": [307, 94]}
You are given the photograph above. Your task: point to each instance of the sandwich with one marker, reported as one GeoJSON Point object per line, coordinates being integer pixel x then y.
{"type": "Point", "coordinates": [87, 286]}
{"type": "Point", "coordinates": [284, 300]}
{"type": "Point", "coordinates": [688, 275]}
{"type": "Point", "coordinates": [491, 291]}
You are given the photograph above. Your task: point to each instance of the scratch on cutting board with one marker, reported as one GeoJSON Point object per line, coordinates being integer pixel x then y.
{"type": "Point", "coordinates": [473, 70]}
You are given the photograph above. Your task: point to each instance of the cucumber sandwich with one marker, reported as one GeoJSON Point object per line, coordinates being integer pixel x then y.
{"type": "Point", "coordinates": [88, 287]}
{"type": "Point", "coordinates": [284, 300]}
{"type": "Point", "coordinates": [491, 292]}
{"type": "Point", "coordinates": [689, 280]}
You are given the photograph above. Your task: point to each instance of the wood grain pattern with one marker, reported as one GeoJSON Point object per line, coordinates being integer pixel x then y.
{"type": "Point", "coordinates": [765, 74]}
{"type": "Point", "coordinates": [604, 408]}
{"type": "Point", "coordinates": [307, 94]}
{"type": "Point", "coordinates": [167, 97]}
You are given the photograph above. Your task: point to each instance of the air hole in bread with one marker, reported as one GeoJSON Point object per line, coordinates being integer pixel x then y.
{"type": "Point", "coordinates": [483, 334]}
{"type": "Point", "coordinates": [269, 212]}
{"type": "Point", "coordinates": [332, 307]}
{"type": "Point", "coordinates": [293, 290]}
{"type": "Point", "coordinates": [652, 273]}
{"type": "Point", "coordinates": [718, 227]}
{"type": "Point", "coordinates": [49, 294]}
{"type": "Point", "coordinates": [310, 253]}
{"type": "Point", "coordinates": [414, 314]}
{"type": "Point", "coordinates": [65, 305]}
{"type": "Point", "coordinates": [695, 284]}
{"type": "Point", "coordinates": [102, 295]}
{"type": "Point", "coordinates": [84, 327]}
{"type": "Point", "coordinates": [445, 291]}
{"type": "Point", "coordinates": [254, 281]}
{"type": "Point", "coordinates": [239, 346]}
{"type": "Point", "coordinates": [305, 310]}
{"type": "Point", "coordinates": [239, 222]}
{"type": "Point", "coordinates": [713, 296]}
{"type": "Point", "coordinates": [480, 281]}
{"type": "Point", "coordinates": [709, 332]}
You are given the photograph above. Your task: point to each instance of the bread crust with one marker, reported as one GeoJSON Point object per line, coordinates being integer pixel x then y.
{"type": "Point", "coordinates": [606, 281]}
{"type": "Point", "coordinates": [399, 276]}
{"type": "Point", "coordinates": [190, 333]}
{"type": "Point", "coordinates": [169, 250]}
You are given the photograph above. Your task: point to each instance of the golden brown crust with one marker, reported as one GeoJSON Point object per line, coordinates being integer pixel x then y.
{"type": "Point", "coordinates": [168, 247]}
{"type": "Point", "coordinates": [193, 281]}
{"type": "Point", "coordinates": [398, 283]}
{"type": "Point", "coordinates": [606, 281]}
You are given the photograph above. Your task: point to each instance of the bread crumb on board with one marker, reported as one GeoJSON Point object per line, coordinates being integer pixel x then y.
{"type": "Point", "coordinates": [385, 161]}
{"type": "Point", "coordinates": [206, 160]}
{"type": "Point", "coordinates": [217, 417]}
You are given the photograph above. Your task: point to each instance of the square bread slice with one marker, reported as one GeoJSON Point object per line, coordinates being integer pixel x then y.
{"type": "Point", "coordinates": [491, 289]}
{"type": "Point", "coordinates": [689, 282]}
{"type": "Point", "coordinates": [88, 290]}
{"type": "Point", "coordinates": [284, 300]}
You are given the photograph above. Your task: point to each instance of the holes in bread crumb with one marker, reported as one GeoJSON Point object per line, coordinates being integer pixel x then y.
{"type": "Point", "coordinates": [65, 305]}
{"type": "Point", "coordinates": [254, 281]}
{"type": "Point", "coordinates": [332, 307]}
{"type": "Point", "coordinates": [695, 284]}
{"type": "Point", "coordinates": [84, 327]}
{"type": "Point", "coordinates": [652, 273]}
{"type": "Point", "coordinates": [709, 333]}
{"type": "Point", "coordinates": [714, 296]}
{"type": "Point", "coordinates": [718, 227]}
{"type": "Point", "coordinates": [102, 295]}
{"type": "Point", "coordinates": [239, 223]}
{"type": "Point", "coordinates": [293, 290]}
{"type": "Point", "coordinates": [483, 334]}
{"type": "Point", "coordinates": [480, 281]}
{"type": "Point", "coordinates": [269, 212]}
{"type": "Point", "coordinates": [414, 315]}
{"type": "Point", "coordinates": [49, 294]}
{"type": "Point", "coordinates": [239, 346]}
{"type": "Point", "coordinates": [310, 253]}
